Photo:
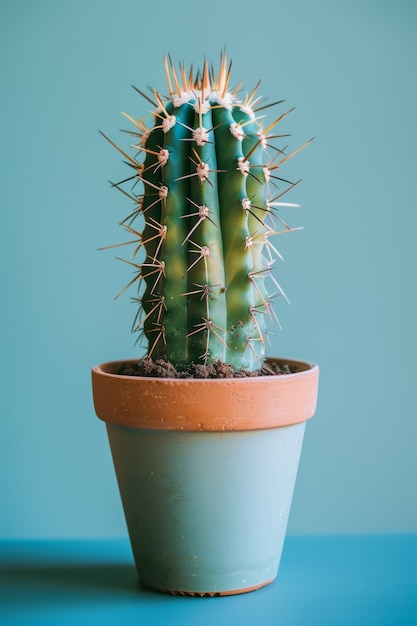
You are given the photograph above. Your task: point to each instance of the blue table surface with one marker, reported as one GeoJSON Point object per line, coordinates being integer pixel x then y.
{"type": "Point", "coordinates": [353, 580]}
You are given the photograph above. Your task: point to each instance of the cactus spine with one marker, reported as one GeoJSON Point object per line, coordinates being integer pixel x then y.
{"type": "Point", "coordinates": [210, 203]}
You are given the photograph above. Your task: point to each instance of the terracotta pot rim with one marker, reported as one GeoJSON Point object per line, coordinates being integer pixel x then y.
{"type": "Point", "coordinates": [191, 404]}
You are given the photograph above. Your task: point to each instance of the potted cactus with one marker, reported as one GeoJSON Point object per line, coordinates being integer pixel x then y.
{"type": "Point", "coordinates": [205, 431]}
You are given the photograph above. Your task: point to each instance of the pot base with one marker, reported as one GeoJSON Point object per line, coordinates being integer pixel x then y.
{"type": "Point", "coordinates": [208, 594]}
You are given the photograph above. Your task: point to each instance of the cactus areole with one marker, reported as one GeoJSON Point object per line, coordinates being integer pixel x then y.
{"type": "Point", "coordinates": [207, 190]}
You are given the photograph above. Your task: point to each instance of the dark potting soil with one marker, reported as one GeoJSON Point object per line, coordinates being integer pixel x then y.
{"type": "Point", "coordinates": [217, 369]}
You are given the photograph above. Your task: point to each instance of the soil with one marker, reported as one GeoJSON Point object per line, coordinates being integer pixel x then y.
{"type": "Point", "coordinates": [217, 369]}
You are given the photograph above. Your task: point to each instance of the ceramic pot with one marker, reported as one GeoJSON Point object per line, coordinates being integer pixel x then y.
{"type": "Point", "coordinates": [206, 471]}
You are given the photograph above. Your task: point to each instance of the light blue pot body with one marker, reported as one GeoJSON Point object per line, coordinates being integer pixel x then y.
{"type": "Point", "coordinates": [206, 511]}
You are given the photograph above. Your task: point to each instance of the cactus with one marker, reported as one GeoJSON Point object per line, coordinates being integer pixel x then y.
{"type": "Point", "coordinates": [210, 197]}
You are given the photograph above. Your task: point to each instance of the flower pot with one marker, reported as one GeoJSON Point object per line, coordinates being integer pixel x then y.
{"type": "Point", "coordinates": [206, 471]}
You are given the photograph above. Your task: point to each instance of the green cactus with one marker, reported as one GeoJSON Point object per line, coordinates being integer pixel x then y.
{"type": "Point", "coordinates": [210, 204]}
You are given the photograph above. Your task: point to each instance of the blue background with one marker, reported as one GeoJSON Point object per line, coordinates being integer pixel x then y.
{"type": "Point", "coordinates": [349, 67]}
